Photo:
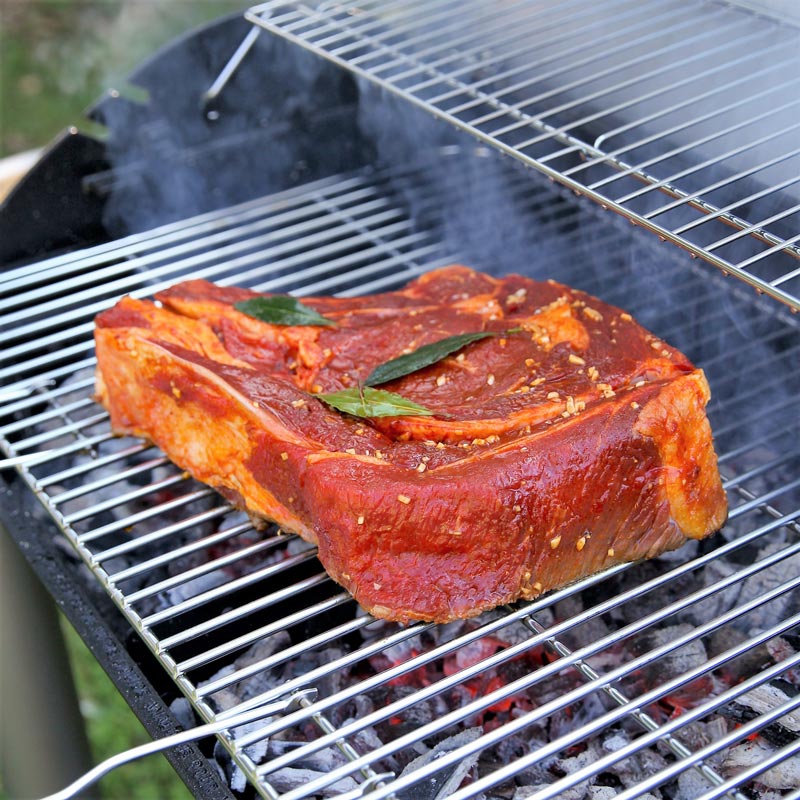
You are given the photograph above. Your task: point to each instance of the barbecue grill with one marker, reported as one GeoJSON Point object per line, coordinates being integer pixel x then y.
{"type": "Point", "coordinates": [498, 135]}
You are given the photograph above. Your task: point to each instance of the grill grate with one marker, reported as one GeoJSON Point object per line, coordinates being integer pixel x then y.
{"type": "Point", "coordinates": [577, 685]}
{"type": "Point", "coordinates": [683, 118]}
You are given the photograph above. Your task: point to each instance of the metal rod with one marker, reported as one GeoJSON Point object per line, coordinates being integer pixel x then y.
{"type": "Point", "coordinates": [776, 292]}
{"type": "Point", "coordinates": [27, 459]}
{"type": "Point", "coordinates": [641, 717]}
{"type": "Point", "coordinates": [176, 739]}
{"type": "Point", "coordinates": [514, 650]}
{"type": "Point", "coordinates": [221, 81]}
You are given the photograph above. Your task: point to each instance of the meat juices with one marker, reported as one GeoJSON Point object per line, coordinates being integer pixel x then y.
{"type": "Point", "coordinates": [571, 440]}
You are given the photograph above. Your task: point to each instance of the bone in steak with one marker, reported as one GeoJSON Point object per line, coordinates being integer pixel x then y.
{"type": "Point", "coordinates": [570, 441]}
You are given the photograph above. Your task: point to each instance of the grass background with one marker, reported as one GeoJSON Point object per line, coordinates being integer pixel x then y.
{"type": "Point", "coordinates": [56, 58]}
{"type": "Point", "coordinates": [112, 727]}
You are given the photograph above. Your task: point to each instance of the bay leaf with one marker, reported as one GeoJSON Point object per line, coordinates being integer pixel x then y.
{"type": "Point", "coordinates": [281, 310]}
{"type": "Point", "coordinates": [423, 356]}
{"type": "Point", "coordinates": [368, 402]}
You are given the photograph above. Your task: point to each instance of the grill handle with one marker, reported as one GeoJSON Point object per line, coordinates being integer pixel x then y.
{"type": "Point", "coordinates": [182, 737]}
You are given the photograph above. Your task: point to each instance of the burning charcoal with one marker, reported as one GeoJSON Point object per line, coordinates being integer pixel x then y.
{"type": "Point", "coordinates": [576, 715]}
{"type": "Point", "coordinates": [225, 698]}
{"type": "Point", "coordinates": [765, 698]}
{"type": "Point", "coordinates": [762, 617]}
{"type": "Point", "coordinates": [309, 660]}
{"type": "Point", "coordinates": [441, 784]}
{"type": "Point", "coordinates": [367, 740]}
{"type": "Point", "coordinates": [609, 792]}
{"type": "Point", "coordinates": [198, 585]}
{"type": "Point", "coordinates": [649, 602]}
{"type": "Point", "coordinates": [785, 775]}
{"type": "Point", "coordinates": [575, 793]}
{"type": "Point", "coordinates": [289, 778]}
{"type": "Point", "coordinates": [782, 648]}
{"type": "Point", "coordinates": [697, 735]}
{"type": "Point", "coordinates": [691, 784]}
{"type": "Point", "coordinates": [256, 752]}
{"type": "Point", "coordinates": [182, 710]}
{"type": "Point", "coordinates": [253, 684]}
{"type": "Point", "coordinates": [780, 608]}
{"type": "Point", "coordinates": [263, 649]}
{"type": "Point", "coordinates": [589, 631]}
{"type": "Point", "coordinates": [512, 748]}
{"type": "Point", "coordinates": [748, 663]}
{"type": "Point", "coordinates": [324, 760]}
{"type": "Point", "coordinates": [601, 793]}
{"type": "Point", "coordinates": [591, 752]}
{"type": "Point", "coordinates": [518, 632]}
{"type": "Point", "coordinates": [676, 662]}
{"type": "Point", "coordinates": [631, 770]}
{"type": "Point", "coordinates": [231, 772]}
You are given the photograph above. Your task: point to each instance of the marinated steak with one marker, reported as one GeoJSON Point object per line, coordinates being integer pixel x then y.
{"type": "Point", "coordinates": [570, 441]}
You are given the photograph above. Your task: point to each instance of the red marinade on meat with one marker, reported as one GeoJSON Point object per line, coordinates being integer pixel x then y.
{"type": "Point", "coordinates": [570, 441]}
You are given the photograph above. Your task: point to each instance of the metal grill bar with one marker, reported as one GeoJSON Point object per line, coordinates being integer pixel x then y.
{"type": "Point", "coordinates": [463, 752]}
{"type": "Point", "coordinates": [180, 552]}
{"type": "Point", "coordinates": [212, 687]}
{"type": "Point", "coordinates": [544, 672]}
{"type": "Point", "coordinates": [747, 729]}
{"type": "Point", "coordinates": [206, 592]}
{"type": "Point", "coordinates": [582, 79]}
{"type": "Point", "coordinates": [664, 731]}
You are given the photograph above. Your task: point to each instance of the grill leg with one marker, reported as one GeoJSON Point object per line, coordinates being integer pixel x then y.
{"type": "Point", "coordinates": [43, 744]}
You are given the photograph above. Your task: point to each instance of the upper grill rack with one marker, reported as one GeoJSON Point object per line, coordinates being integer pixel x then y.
{"type": "Point", "coordinates": [682, 117]}
{"type": "Point", "coordinates": [239, 617]}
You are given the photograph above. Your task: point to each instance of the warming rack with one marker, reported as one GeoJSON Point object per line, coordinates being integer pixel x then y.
{"type": "Point", "coordinates": [682, 117]}
{"type": "Point", "coordinates": [238, 617]}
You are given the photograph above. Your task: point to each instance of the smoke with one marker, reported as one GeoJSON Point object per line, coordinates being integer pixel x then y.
{"type": "Point", "coordinates": [283, 119]}
{"type": "Point", "coordinates": [287, 117]}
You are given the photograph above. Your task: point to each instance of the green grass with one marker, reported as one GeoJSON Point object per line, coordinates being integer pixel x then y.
{"type": "Point", "coordinates": [112, 727]}
{"type": "Point", "coordinates": [58, 56]}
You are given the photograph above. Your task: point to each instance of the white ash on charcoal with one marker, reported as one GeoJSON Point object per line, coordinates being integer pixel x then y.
{"type": "Point", "coordinates": [783, 776]}
{"type": "Point", "coordinates": [622, 775]}
{"type": "Point", "coordinates": [752, 659]}
{"type": "Point", "coordinates": [290, 778]}
{"type": "Point", "coordinates": [524, 792]}
{"type": "Point", "coordinates": [601, 793]}
{"type": "Point", "coordinates": [675, 662]}
{"type": "Point", "coordinates": [782, 472]}
{"type": "Point", "coordinates": [763, 699]}
{"type": "Point", "coordinates": [690, 785]}
{"type": "Point", "coordinates": [442, 784]}
{"type": "Point", "coordinates": [252, 685]}
{"type": "Point", "coordinates": [577, 714]}
{"type": "Point", "coordinates": [754, 586]}
{"type": "Point", "coordinates": [421, 712]}
{"type": "Point", "coordinates": [780, 649]}
{"type": "Point", "coordinates": [217, 577]}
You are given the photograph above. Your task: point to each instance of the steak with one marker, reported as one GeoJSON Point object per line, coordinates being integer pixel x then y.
{"type": "Point", "coordinates": [569, 441]}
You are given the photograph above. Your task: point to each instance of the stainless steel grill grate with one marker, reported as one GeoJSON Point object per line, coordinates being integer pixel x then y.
{"type": "Point", "coordinates": [682, 117]}
{"type": "Point", "coordinates": [631, 679]}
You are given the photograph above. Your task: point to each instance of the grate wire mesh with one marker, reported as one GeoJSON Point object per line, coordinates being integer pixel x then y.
{"type": "Point", "coordinates": [238, 617]}
{"type": "Point", "coordinates": [683, 118]}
